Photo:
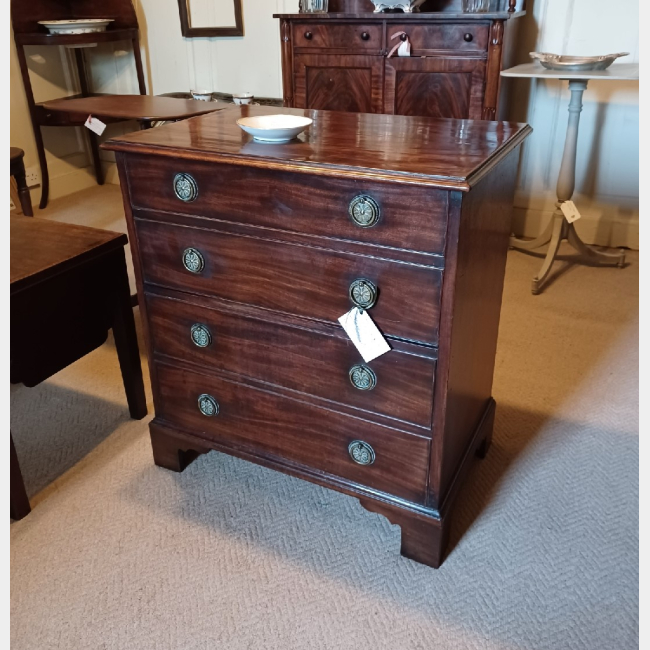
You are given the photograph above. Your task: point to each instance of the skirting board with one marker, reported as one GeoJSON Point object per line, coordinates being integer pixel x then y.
{"type": "Point", "coordinates": [600, 224]}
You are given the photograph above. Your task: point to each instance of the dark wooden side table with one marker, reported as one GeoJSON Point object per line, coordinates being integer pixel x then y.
{"type": "Point", "coordinates": [17, 170]}
{"type": "Point", "coordinates": [69, 286]}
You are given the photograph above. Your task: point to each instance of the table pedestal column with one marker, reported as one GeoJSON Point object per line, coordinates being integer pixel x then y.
{"type": "Point", "coordinates": [559, 229]}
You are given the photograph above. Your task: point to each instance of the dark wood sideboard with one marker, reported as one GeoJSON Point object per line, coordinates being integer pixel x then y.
{"type": "Point", "coordinates": [246, 254]}
{"type": "Point", "coordinates": [339, 61]}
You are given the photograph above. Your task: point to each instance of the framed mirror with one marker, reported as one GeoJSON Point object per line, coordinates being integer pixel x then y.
{"type": "Point", "coordinates": [211, 18]}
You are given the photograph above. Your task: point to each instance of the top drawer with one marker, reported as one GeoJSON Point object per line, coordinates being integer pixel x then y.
{"type": "Point", "coordinates": [430, 39]}
{"type": "Point", "coordinates": [408, 217]}
{"type": "Point", "coordinates": [353, 37]}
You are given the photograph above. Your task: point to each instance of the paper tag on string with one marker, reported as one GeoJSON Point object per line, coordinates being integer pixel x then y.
{"type": "Point", "coordinates": [404, 49]}
{"type": "Point", "coordinates": [570, 211]}
{"type": "Point", "coordinates": [95, 125]}
{"type": "Point", "coordinates": [364, 334]}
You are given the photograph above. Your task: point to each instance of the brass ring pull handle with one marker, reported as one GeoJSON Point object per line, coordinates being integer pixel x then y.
{"type": "Point", "coordinates": [363, 293]}
{"type": "Point", "coordinates": [185, 188]}
{"type": "Point", "coordinates": [193, 260]}
{"type": "Point", "coordinates": [362, 377]}
{"type": "Point", "coordinates": [208, 405]}
{"type": "Point", "coordinates": [201, 335]}
{"type": "Point", "coordinates": [361, 452]}
{"type": "Point", "coordinates": [364, 211]}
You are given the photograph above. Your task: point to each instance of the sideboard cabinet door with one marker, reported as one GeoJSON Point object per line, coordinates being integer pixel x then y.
{"type": "Point", "coordinates": [339, 82]}
{"type": "Point", "coordinates": [435, 87]}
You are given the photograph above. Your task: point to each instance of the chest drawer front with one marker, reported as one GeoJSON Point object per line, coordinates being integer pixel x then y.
{"type": "Point", "coordinates": [429, 39]}
{"type": "Point", "coordinates": [302, 280]}
{"type": "Point", "coordinates": [349, 37]}
{"type": "Point", "coordinates": [268, 424]}
{"type": "Point", "coordinates": [410, 218]}
{"type": "Point", "coordinates": [301, 360]}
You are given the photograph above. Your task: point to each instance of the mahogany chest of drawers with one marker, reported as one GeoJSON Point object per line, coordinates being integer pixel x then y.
{"type": "Point", "coordinates": [246, 254]}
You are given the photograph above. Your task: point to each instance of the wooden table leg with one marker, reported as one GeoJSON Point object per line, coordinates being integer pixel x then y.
{"type": "Point", "coordinates": [18, 501]}
{"type": "Point", "coordinates": [18, 171]}
{"type": "Point", "coordinates": [126, 342]}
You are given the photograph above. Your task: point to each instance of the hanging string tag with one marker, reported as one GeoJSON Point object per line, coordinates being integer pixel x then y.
{"type": "Point", "coordinates": [95, 125]}
{"type": "Point", "coordinates": [570, 211]}
{"type": "Point", "coordinates": [364, 334]}
{"type": "Point", "coordinates": [403, 48]}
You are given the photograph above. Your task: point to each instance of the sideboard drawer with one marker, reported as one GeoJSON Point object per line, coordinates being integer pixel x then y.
{"type": "Point", "coordinates": [398, 384]}
{"type": "Point", "coordinates": [409, 217]}
{"type": "Point", "coordinates": [338, 36]}
{"type": "Point", "coordinates": [431, 39]}
{"type": "Point", "coordinates": [267, 424]}
{"type": "Point", "coordinates": [307, 281]}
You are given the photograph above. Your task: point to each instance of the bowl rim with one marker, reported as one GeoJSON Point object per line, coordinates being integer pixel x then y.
{"type": "Point", "coordinates": [241, 122]}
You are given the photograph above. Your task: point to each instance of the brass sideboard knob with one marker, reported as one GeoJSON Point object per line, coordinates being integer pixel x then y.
{"type": "Point", "coordinates": [193, 260]}
{"type": "Point", "coordinates": [208, 405]}
{"type": "Point", "coordinates": [185, 187]}
{"type": "Point", "coordinates": [364, 211]}
{"type": "Point", "coordinates": [363, 293]}
{"type": "Point", "coordinates": [363, 377]}
{"type": "Point", "coordinates": [201, 335]}
{"type": "Point", "coordinates": [361, 452]}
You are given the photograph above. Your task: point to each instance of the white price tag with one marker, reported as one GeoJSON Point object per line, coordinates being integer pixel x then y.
{"type": "Point", "coordinates": [95, 125]}
{"type": "Point", "coordinates": [570, 211]}
{"type": "Point", "coordinates": [364, 334]}
{"type": "Point", "coordinates": [404, 49]}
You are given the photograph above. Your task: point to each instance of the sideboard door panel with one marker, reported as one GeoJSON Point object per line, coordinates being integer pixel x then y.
{"type": "Point", "coordinates": [339, 83]}
{"type": "Point", "coordinates": [435, 87]}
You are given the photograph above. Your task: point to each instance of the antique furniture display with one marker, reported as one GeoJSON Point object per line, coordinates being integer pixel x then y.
{"type": "Point", "coordinates": [26, 18]}
{"type": "Point", "coordinates": [17, 170]}
{"type": "Point", "coordinates": [246, 254]}
{"type": "Point", "coordinates": [145, 109]}
{"type": "Point", "coordinates": [69, 286]}
{"type": "Point", "coordinates": [347, 61]}
{"type": "Point", "coordinates": [206, 18]}
{"type": "Point", "coordinates": [559, 228]}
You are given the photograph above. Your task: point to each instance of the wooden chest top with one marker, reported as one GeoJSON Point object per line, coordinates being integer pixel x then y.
{"type": "Point", "coordinates": [444, 153]}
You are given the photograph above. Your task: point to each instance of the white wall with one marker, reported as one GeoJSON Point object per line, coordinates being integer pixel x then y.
{"type": "Point", "coordinates": [608, 172]}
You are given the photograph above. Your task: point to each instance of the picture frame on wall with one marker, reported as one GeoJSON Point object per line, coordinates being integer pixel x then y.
{"type": "Point", "coordinates": [201, 18]}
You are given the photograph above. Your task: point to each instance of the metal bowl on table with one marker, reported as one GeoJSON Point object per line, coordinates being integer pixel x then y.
{"type": "Point", "coordinates": [575, 63]}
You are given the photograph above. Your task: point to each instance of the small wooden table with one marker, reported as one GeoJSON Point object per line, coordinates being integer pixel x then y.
{"type": "Point", "coordinates": [558, 227]}
{"type": "Point", "coordinates": [114, 108]}
{"type": "Point", "coordinates": [69, 286]}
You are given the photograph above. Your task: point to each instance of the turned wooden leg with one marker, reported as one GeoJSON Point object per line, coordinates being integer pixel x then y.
{"type": "Point", "coordinates": [18, 500]}
{"type": "Point", "coordinates": [171, 452]}
{"type": "Point", "coordinates": [126, 341]}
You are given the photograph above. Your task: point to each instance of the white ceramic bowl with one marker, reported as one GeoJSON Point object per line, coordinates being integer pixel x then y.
{"type": "Point", "coordinates": [78, 26]}
{"type": "Point", "coordinates": [201, 95]}
{"type": "Point", "coordinates": [274, 128]}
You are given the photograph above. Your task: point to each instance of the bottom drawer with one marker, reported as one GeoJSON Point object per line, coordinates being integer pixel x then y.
{"type": "Point", "coordinates": [271, 425]}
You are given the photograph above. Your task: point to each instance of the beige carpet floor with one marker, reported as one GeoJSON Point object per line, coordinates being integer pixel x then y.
{"type": "Point", "coordinates": [120, 554]}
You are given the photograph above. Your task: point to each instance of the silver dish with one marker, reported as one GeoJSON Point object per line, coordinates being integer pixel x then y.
{"type": "Point", "coordinates": [575, 63]}
{"type": "Point", "coordinates": [407, 6]}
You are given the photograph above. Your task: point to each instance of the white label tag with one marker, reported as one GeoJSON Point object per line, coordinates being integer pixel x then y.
{"type": "Point", "coordinates": [404, 49]}
{"type": "Point", "coordinates": [364, 334]}
{"type": "Point", "coordinates": [570, 211]}
{"type": "Point", "coordinates": [95, 125]}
